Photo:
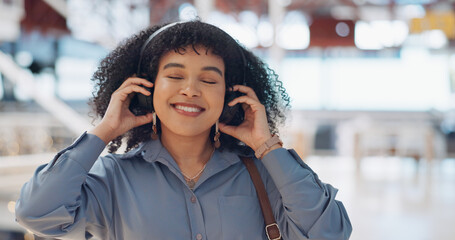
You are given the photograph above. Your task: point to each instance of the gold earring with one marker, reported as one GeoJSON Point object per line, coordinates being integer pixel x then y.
{"type": "Point", "coordinates": [216, 138]}
{"type": "Point", "coordinates": [154, 131]}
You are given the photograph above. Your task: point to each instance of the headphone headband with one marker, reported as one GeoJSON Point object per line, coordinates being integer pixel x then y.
{"type": "Point", "coordinates": [162, 29]}
{"type": "Point", "coordinates": [149, 39]}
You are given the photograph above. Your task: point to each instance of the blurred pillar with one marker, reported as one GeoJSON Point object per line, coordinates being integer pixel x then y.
{"type": "Point", "coordinates": [276, 14]}
{"type": "Point", "coordinates": [56, 52]}
{"type": "Point", "coordinates": [8, 86]}
{"type": "Point", "coordinates": [204, 8]}
{"type": "Point", "coordinates": [8, 90]}
{"type": "Point", "coordinates": [429, 146]}
{"type": "Point", "coordinates": [357, 151]}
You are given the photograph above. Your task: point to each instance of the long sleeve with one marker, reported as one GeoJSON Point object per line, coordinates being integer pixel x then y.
{"type": "Point", "coordinates": [304, 207]}
{"type": "Point", "coordinates": [63, 198]}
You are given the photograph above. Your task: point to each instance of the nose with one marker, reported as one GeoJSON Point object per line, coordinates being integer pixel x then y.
{"type": "Point", "coordinates": [190, 88]}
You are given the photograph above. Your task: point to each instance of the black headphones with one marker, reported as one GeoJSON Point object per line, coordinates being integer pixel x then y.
{"type": "Point", "coordinates": [228, 112]}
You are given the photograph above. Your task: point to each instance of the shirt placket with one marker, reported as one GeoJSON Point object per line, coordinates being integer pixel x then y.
{"type": "Point", "coordinates": [196, 217]}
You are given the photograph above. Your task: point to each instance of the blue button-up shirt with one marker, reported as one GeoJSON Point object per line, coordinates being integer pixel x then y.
{"type": "Point", "coordinates": [143, 195]}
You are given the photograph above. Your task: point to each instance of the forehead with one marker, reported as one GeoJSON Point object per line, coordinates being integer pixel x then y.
{"type": "Point", "coordinates": [197, 55]}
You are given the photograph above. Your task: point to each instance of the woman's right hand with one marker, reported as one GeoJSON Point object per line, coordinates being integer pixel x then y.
{"type": "Point", "coordinates": [118, 119]}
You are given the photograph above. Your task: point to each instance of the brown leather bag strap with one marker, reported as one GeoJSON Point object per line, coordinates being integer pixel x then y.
{"type": "Point", "coordinates": [271, 227]}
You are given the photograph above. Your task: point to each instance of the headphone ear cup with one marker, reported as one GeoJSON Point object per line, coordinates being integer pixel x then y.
{"type": "Point", "coordinates": [228, 115]}
{"type": "Point", "coordinates": [143, 102]}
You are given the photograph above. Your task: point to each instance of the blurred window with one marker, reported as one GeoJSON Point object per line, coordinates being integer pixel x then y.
{"type": "Point", "coordinates": [416, 81]}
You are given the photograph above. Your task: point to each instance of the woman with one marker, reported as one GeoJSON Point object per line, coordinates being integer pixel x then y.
{"type": "Point", "coordinates": [181, 176]}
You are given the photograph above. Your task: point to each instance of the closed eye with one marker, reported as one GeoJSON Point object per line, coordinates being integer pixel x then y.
{"type": "Point", "coordinates": [175, 77]}
{"type": "Point", "coordinates": [209, 81]}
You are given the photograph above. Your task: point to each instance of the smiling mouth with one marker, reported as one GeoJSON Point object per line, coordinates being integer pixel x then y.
{"type": "Point", "coordinates": [188, 108]}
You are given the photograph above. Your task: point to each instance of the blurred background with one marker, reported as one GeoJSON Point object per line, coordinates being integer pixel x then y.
{"type": "Point", "coordinates": [372, 85]}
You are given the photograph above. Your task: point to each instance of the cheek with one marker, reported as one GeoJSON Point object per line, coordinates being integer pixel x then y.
{"type": "Point", "coordinates": [218, 101]}
{"type": "Point", "coordinates": [159, 100]}
{"type": "Point", "coordinates": [160, 90]}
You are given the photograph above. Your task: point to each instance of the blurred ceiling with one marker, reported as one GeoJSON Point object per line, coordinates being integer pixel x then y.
{"type": "Point", "coordinates": [39, 15]}
{"type": "Point", "coordinates": [322, 15]}
{"type": "Point", "coordinates": [377, 9]}
{"type": "Point", "coordinates": [320, 7]}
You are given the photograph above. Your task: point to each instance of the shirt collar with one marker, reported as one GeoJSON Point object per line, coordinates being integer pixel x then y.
{"type": "Point", "coordinates": [153, 151]}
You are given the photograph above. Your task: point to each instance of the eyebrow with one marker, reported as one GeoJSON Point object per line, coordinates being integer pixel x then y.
{"type": "Point", "coordinates": [208, 68]}
{"type": "Point", "coordinates": [177, 65]}
{"type": "Point", "coordinates": [215, 69]}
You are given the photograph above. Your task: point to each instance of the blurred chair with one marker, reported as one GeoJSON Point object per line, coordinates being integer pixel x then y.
{"type": "Point", "coordinates": [363, 137]}
{"type": "Point", "coordinates": [299, 134]}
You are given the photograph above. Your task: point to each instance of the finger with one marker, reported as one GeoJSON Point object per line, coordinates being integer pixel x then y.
{"type": "Point", "coordinates": [228, 129]}
{"type": "Point", "coordinates": [135, 88]}
{"type": "Point", "coordinates": [245, 106]}
{"type": "Point", "coordinates": [128, 99]}
{"type": "Point", "coordinates": [126, 91]}
{"type": "Point", "coordinates": [247, 90]}
{"type": "Point", "coordinates": [136, 81]}
{"type": "Point", "coordinates": [144, 119]}
{"type": "Point", "coordinates": [253, 103]}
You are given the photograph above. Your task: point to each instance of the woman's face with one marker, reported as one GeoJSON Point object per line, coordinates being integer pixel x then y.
{"type": "Point", "coordinates": [189, 91]}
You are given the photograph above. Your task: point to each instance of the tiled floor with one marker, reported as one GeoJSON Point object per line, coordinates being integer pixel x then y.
{"type": "Point", "coordinates": [394, 198]}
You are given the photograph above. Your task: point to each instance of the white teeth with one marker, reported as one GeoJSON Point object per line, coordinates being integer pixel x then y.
{"type": "Point", "coordinates": [187, 109]}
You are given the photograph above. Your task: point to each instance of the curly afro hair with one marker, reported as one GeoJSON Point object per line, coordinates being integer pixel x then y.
{"type": "Point", "coordinates": [123, 61]}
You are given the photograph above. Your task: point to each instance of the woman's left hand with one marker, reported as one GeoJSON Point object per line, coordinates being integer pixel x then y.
{"type": "Point", "coordinates": [254, 130]}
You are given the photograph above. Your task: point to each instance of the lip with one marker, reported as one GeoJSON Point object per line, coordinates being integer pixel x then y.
{"type": "Point", "coordinates": [190, 105]}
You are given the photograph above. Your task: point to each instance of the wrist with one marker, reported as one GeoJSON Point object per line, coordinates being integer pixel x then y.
{"type": "Point", "coordinates": [261, 142]}
{"type": "Point", "coordinates": [103, 133]}
{"type": "Point", "coordinates": [276, 146]}
{"type": "Point", "coordinates": [272, 143]}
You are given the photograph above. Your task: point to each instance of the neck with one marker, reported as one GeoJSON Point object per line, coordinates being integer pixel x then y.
{"type": "Point", "coordinates": [190, 153]}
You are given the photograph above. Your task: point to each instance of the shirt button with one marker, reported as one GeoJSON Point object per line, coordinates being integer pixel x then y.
{"type": "Point", "coordinates": [193, 199]}
{"type": "Point", "coordinates": [199, 236]}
